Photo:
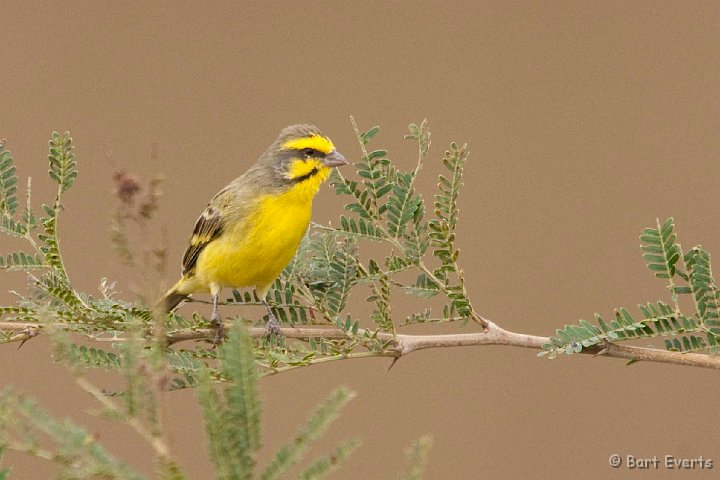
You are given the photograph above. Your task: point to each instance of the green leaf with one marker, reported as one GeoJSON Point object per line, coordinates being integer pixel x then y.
{"type": "Point", "coordinates": [402, 205]}
{"type": "Point", "coordinates": [91, 357]}
{"type": "Point", "coordinates": [238, 365]}
{"type": "Point", "coordinates": [332, 269]}
{"type": "Point", "coordinates": [687, 344]}
{"type": "Point", "coordinates": [78, 453]}
{"type": "Point", "coordinates": [293, 452]}
{"type": "Point", "coordinates": [8, 183]}
{"type": "Point", "coordinates": [361, 228]}
{"type": "Point", "coordinates": [367, 136]}
{"type": "Point", "coordinates": [21, 261]}
{"type": "Point", "coordinates": [12, 227]}
{"type": "Point", "coordinates": [363, 202]}
{"type": "Point", "coordinates": [376, 154]}
{"type": "Point", "coordinates": [63, 167]}
{"type": "Point", "coordinates": [382, 313]}
{"type": "Point", "coordinates": [417, 455]}
{"type": "Point", "coordinates": [184, 363]}
{"type": "Point", "coordinates": [682, 290]}
{"type": "Point", "coordinates": [702, 285]}
{"type": "Point", "coordinates": [423, 287]}
{"type": "Point", "coordinates": [232, 421]}
{"type": "Point", "coordinates": [659, 320]}
{"type": "Point", "coordinates": [325, 465]}
{"type": "Point", "coordinates": [660, 251]}
{"type": "Point", "coordinates": [228, 464]}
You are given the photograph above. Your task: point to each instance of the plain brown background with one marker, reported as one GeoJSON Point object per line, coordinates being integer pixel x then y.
{"type": "Point", "coordinates": [585, 122]}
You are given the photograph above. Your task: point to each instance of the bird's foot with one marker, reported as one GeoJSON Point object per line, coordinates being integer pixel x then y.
{"type": "Point", "coordinates": [219, 337]}
{"type": "Point", "coordinates": [272, 326]}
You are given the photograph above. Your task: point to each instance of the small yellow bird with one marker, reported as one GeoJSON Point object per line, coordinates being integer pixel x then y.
{"type": "Point", "coordinates": [252, 228]}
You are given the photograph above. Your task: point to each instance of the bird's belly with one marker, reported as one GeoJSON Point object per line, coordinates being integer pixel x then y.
{"type": "Point", "coordinates": [258, 251]}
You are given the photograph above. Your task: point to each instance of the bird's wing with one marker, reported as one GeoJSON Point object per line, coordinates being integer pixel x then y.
{"type": "Point", "coordinates": [207, 228]}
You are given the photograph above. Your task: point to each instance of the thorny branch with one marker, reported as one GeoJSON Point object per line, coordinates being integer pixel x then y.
{"type": "Point", "coordinates": [403, 344]}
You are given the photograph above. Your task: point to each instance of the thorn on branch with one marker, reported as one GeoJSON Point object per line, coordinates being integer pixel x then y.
{"type": "Point", "coordinates": [392, 364]}
{"type": "Point", "coordinates": [24, 335]}
{"type": "Point", "coordinates": [604, 348]}
{"type": "Point", "coordinates": [482, 321]}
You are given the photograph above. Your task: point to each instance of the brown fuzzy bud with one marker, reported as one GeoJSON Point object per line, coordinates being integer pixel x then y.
{"type": "Point", "coordinates": [126, 186]}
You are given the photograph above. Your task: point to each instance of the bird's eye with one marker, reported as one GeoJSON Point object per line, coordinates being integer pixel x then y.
{"type": "Point", "coordinates": [309, 152]}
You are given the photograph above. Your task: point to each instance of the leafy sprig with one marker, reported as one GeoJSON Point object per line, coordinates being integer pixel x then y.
{"type": "Point", "coordinates": [386, 243]}
{"type": "Point", "coordinates": [8, 182]}
{"type": "Point", "coordinates": [24, 426]}
{"type": "Point", "coordinates": [688, 273]}
{"type": "Point", "coordinates": [401, 223]}
{"type": "Point", "coordinates": [384, 208]}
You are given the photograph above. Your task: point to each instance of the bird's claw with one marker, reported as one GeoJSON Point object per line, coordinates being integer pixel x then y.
{"type": "Point", "coordinates": [219, 337]}
{"type": "Point", "coordinates": [272, 327]}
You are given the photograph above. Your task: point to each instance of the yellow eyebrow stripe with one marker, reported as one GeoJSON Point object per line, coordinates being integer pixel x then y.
{"type": "Point", "coordinates": [317, 142]}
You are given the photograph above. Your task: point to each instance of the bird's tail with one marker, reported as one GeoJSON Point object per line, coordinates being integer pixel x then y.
{"type": "Point", "coordinates": [172, 298]}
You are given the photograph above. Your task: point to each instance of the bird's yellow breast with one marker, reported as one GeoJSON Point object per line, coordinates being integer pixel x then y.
{"type": "Point", "coordinates": [255, 250]}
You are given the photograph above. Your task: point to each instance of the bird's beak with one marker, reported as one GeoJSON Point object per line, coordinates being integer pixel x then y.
{"type": "Point", "coordinates": [334, 159]}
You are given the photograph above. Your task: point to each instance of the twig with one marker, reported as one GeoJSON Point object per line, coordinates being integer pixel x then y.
{"type": "Point", "coordinates": [22, 335]}
{"type": "Point", "coordinates": [32, 450]}
{"type": "Point", "coordinates": [349, 356]}
{"type": "Point", "coordinates": [403, 344]}
{"type": "Point", "coordinates": [158, 444]}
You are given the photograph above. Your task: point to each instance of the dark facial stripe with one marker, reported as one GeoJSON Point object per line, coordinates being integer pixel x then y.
{"type": "Point", "coordinates": [302, 178]}
{"type": "Point", "coordinates": [299, 154]}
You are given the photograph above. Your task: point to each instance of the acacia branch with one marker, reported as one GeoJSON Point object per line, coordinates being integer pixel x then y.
{"type": "Point", "coordinates": [402, 344]}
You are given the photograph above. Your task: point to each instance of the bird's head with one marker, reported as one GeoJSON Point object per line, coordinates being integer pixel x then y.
{"type": "Point", "coordinates": [304, 156]}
